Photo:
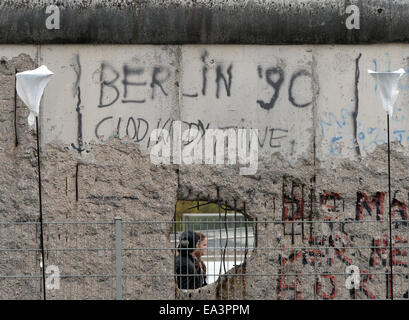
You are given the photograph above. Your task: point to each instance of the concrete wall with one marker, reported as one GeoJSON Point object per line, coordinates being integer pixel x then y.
{"type": "Point", "coordinates": [204, 21]}
{"type": "Point", "coordinates": [322, 138]}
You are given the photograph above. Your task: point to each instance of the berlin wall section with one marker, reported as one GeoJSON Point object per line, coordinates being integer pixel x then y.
{"type": "Point", "coordinates": [322, 147]}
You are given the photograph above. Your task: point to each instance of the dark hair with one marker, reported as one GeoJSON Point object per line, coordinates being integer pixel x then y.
{"type": "Point", "coordinates": [187, 242]}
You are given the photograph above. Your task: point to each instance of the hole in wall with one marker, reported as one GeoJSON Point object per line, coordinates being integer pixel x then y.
{"type": "Point", "coordinates": [230, 235]}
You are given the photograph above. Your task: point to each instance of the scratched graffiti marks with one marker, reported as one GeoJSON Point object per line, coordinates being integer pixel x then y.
{"type": "Point", "coordinates": [332, 203]}
{"type": "Point", "coordinates": [317, 265]}
{"type": "Point", "coordinates": [294, 198]}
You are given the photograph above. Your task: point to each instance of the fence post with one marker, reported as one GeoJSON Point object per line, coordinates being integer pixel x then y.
{"type": "Point", "coordinates": [118, 253]}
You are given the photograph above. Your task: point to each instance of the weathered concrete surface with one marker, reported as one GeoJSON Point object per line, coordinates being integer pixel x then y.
{"type": "Point", "coordinates": [204, 21]}
{"type": "Point", "coordinates": [325, 101]}
{"type": "Point", "coordinates": [18, 176]}
{"type": "Point", "coordinates": [175, 84]}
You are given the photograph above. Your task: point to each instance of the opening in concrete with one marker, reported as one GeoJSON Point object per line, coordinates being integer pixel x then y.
{"type": "Point", "coordinates": [222, 240]}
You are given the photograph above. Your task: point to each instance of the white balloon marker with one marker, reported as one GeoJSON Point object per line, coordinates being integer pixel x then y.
{"type": "Point", "coordinates": [30, 87]}
{"type": "Point", "coordinates": [388, 87]}
{"type": "Point", "coordinates": [388, 91]}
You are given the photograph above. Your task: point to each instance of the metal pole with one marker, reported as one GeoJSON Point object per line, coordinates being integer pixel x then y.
{"type": "Point", "coordinates": [15, 111]}
{"type": "Point", "coordinates": [41, 210]}
{"type": "Point", "coordinates": [118, 248]}
{"type": "Point", "coordinates": [390, 209]}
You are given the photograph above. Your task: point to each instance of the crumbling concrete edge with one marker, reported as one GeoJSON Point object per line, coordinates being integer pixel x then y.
{"type": "Point", "coordinates": [204, 22]}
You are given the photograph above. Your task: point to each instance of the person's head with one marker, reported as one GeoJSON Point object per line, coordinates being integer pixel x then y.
{"type": "Point", "coordinates": [201, 244]}
{"type": "Point", "coordinates": [194, 243]}
{"type": "Point", "coordinates": [187, 242]}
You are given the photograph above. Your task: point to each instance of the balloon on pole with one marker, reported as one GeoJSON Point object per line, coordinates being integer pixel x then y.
{"type": "Point", "coordinates": [388, 87]}
{"type": "Point", "coordinates": [388, 90]}
{"type": "Point", "coordinates": [30, 87]}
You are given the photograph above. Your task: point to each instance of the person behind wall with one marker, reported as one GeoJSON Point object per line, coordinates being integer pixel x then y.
{"type": "Point", "coordinates": [189, 268]}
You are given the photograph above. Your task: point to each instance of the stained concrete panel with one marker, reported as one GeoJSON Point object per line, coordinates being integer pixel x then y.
{"type": "Point", "coordinates": [119, 91]}
{"type": "Point", "coordinates": [263, 88]}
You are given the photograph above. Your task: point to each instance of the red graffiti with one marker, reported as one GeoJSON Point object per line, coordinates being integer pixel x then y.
{"type": "Point", "coordinates": [330, 207]}
{"type": "Point", "coordinates": [363, 202]}
{"type": "Point", "coordinates": [379, 252]}
{"type": "Point", "coordinates": [317, 241]}
{"type": "Point", "coordinates": [365, 278]}
{"type": "Point", "coordinates": [285, 287]}
{"type": "Point", "coordinates": [313, 257]}
{"type": "Point", "coordinates": [309, 256]}
{"type": "Point", "coordinates": [291, 258]}
{"type": "Point", "coordinates": [326, 295]}
{"type": "Point", "coordinates": [400, 252]}
{"type": "Point", "coordinates": [400, 208]}
{"type": "Point", "coordinates": [341, 250]}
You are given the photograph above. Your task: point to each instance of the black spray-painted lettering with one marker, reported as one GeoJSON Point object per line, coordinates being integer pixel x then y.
{"type": "Point", "coordinates": [99, 124]}
{"type": "Point", "coordinates": [139, 137]}
{"type": "Point", "coordinates": [275, 84]}
{"type": "Point", "coordinates": [297, 74]}
{"type": "Point", "coordinates": [137, 129]}
{"type": "Point", "coordinates": [109, 84]}
{"type": "Point", "coordinates": [134, 128]}
{"type": "Point", "coordinates": [78, 71]}
{"type": "Point", "coordinates": [158, 82]}
{"type": "Point", "coordinates": [220, 76]}
{"type": "Point", "coordinates": [276, 138]}
{"type": "Point", "coordinates": [118, 126]}
{"type": "Point", "coordinates": [204, 72]}
{"type": "Point", "coordinates": [127, 72]}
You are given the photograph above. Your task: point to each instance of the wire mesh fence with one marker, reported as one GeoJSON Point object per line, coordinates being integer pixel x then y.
{"type": "Point", "coordinates": [79, 255]}
{"type": "Point", "coordinates": [244, 259]}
